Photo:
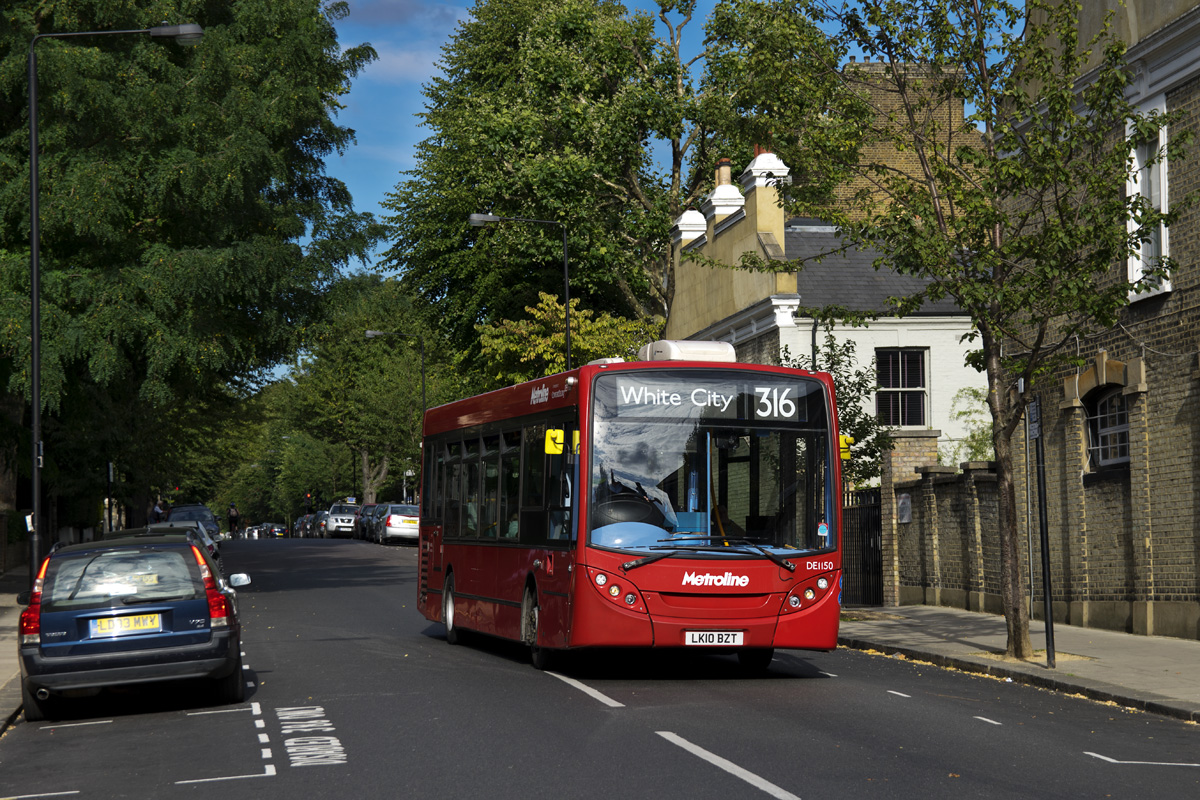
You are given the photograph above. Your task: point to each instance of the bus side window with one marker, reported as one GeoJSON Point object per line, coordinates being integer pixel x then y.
{"type": "Point", "coordinates": [510, 484]}
{"type": "Point", "coordinates": [533, 491]}
{"type": "Point", "coordinates": [453, 488]}
{"type": "Point", "coordinates": [470, 492]}
{"type": "Point", "coordinates": [490, 509]}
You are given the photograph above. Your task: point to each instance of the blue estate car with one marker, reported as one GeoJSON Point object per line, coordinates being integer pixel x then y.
{"type": "Point", "coordinates": [127, 611]}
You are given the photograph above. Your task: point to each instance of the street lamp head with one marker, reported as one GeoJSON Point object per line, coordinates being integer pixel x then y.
{"type": "Point", "coordinates": [373, 334]}
{"type": "Point", "coordinates": [479, 220]}
{"type": "Point", "coordinates": [188, 34]}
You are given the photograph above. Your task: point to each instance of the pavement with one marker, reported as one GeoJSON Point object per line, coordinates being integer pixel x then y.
{"type": "Point", "coordinates": [1156, 674]}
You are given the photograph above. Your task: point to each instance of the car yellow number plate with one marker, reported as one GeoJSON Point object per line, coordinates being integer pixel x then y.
{"type": "Point", "coordinates": [409, 521]}
{"type": "Point", "coordinates": [120, 626]}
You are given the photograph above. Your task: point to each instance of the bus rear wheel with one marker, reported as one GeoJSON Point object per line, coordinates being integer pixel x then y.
{"type": "Point", "coordinates": [540, 656]}
{"type": "Point", "coordinates": [448, 611]}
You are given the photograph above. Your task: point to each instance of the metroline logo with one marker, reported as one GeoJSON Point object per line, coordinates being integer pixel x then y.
{"type": "Point", "coordinates": [708, 579]}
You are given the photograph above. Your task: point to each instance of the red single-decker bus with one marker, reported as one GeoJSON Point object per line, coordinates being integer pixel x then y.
{"type": "Point", "coordinates": [683, 500]}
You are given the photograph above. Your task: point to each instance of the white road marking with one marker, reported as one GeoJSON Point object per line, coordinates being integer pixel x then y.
{"type": "Point", "coordinates": [263, 738]}
{"type": "Point", "coordinates": [249, 684]}
{"type": "Point", "coordinates": [899, 694]}
{"type": "Point", "coordinates": [256, 709]}
{"type": "Point", "coordinates": [829, 675]}
{"type": "Point", "coordinates": [989, 721]}
{"type": "Point", "coordinates": [47, 794]}
{"type": "Point", "coordinates": [75, 725]}
{"type": "Point", "coordinates": [218, 711]}
{"type": "Point", "coordinates": [268, 771]}
{"type": "Point", "coordinates": [1143, 763]}
{"type": "Point", "coordinates": [258, 723]}
{"type": "Point", "coordinates": [729, 766]}
{"type": "Point", "coordinates": [603, 698]}
{"type": "Point", "coordinates": [266, 754]}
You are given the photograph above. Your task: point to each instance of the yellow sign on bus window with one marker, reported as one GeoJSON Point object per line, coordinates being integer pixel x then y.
{"type": "Point", "coordinates": [555, 439]}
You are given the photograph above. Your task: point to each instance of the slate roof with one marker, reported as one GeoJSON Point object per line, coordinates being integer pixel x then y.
{"type": "Point", "coordinates": [848, 279]}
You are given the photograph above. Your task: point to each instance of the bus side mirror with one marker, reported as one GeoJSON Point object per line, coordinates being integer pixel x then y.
{"type": "Point", "coordinates": [845, 442]}
{"type": "Point", "coordinates": [555, 438]}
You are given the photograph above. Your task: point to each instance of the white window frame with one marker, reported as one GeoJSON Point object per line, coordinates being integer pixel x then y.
{"type": "Point", "coordinates": [1108, 429]}
{"type": "Point", "coordinates": [902, 390]}
{"type": "Point", "coordinates": [1134, 185]}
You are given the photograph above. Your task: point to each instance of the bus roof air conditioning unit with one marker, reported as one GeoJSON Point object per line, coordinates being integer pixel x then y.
{"type": "Point", "coordinates": [672, 350]}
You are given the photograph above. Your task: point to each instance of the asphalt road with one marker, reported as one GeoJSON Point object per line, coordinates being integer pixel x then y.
{"type": "Point", "coordinates": [354, 694]}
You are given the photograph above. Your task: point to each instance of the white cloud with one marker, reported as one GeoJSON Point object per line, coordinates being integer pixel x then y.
{"type": "Point", "coordinates": [398, 63]}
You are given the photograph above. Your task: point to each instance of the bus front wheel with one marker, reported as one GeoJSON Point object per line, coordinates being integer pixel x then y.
{"type": "Point", "coordinates": [448, 611]}
{"type": "Point", "coordinates": [540, 656]}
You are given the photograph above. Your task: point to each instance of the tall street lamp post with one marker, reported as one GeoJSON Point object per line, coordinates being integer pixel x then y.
{"type": "Point", "coordinates": [479, 220]}
{"type": "Point", "coordinates": [421, 340]}
{"type": "Point", "coordinates": [188, 34]}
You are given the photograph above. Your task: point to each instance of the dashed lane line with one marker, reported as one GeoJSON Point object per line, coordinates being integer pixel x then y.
{"type": "Point", "coordinates": [733, 769]}
{"type": "Point", "coordinates": [1141, 763]}
{"type": "Point", "coordinates": [589, 691]}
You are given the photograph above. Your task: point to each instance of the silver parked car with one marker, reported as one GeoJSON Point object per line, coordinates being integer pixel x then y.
{"type": "Point", "coordinates": [340, 522]}
{"type": "Point", "coordinates": [399, 523]}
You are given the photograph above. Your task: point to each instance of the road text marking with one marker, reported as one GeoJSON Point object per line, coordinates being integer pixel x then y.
{"type": "Point", "coordinates": [728, 766]}
{"type": "Point", "coordinates": [308, 751]}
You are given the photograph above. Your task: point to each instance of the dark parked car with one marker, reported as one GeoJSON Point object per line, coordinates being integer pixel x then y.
{"type": "Point", "coordinates": [133, 610]}
{"type": "Point", "coordinates": [360, 520]}
{"type": "Point", "coordinates": [198, 512]}
{"type": "Point", "coordinates": [375, 521]}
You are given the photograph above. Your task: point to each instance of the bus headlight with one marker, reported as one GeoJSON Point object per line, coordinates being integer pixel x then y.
{"type": "Point", "coordinates": [793, 601]}
{"type": "Point", "coordinates": [809, 594]}
{"type": "Point", "coordinates": [822, 583]}
{"type": "Point", "coordinates": [616, 590]}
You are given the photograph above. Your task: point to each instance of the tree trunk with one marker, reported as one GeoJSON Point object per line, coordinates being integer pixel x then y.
{"type": "Point", "coordinates": [1016, 613]}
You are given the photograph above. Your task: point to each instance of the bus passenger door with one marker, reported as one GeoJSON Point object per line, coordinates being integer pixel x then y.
{"type": "Point", "coordinates": [558, 562]}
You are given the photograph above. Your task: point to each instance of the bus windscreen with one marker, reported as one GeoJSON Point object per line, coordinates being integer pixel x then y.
{"type": "Point", "coordinates": [681, 459]}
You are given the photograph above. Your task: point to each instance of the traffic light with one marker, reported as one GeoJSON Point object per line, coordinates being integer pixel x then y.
{"type": "Point", "coordinates": [308, 502]}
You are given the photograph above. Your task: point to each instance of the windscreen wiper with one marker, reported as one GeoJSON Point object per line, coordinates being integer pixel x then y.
{"type": "Point", "coordinates": [778, 559]}
{"type": "Point", "coordinates": [641, 562]}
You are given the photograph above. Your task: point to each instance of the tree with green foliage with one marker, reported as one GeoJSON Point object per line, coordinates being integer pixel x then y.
{"type": "Point", "coordinates": [188, 226]}
{"type": "Point", "coordinates": [573, 111]}
{"type": "Point", "coordinates": [854, 388]}
{"type": "Point", "coordinates": [1020, 214]}
{"type": "Point", "coordinates": [969, 407]}
{"type": "Point", "coordinates": [365, 394]}
{"type": "Point", "coordinates": [522, 350]}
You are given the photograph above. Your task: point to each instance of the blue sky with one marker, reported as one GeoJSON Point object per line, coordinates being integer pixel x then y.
{"type": "Point", "coordinates": [385, 99]}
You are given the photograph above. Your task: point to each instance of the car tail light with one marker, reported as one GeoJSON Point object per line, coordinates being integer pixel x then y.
{"type": "Point", "coordinates": [31, 616]}
{"type": "Point", "coordinates": [218, 604]}
{"type": "Point", "coordinates": [393, 520]}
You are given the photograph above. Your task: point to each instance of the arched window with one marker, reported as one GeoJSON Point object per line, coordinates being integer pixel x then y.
{"type": "Point", "coordinates": [1108, 428]}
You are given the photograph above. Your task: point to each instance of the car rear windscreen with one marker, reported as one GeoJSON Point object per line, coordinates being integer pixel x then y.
{"type": "Point", "coordinates": [120, 577]}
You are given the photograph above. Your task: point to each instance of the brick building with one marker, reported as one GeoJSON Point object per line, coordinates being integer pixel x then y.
{"type": "Point", "coordinates": [1122, 433]}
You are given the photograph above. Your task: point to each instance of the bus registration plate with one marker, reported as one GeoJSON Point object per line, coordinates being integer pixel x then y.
{"type": "Point", "coordinates": [714, 638]}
